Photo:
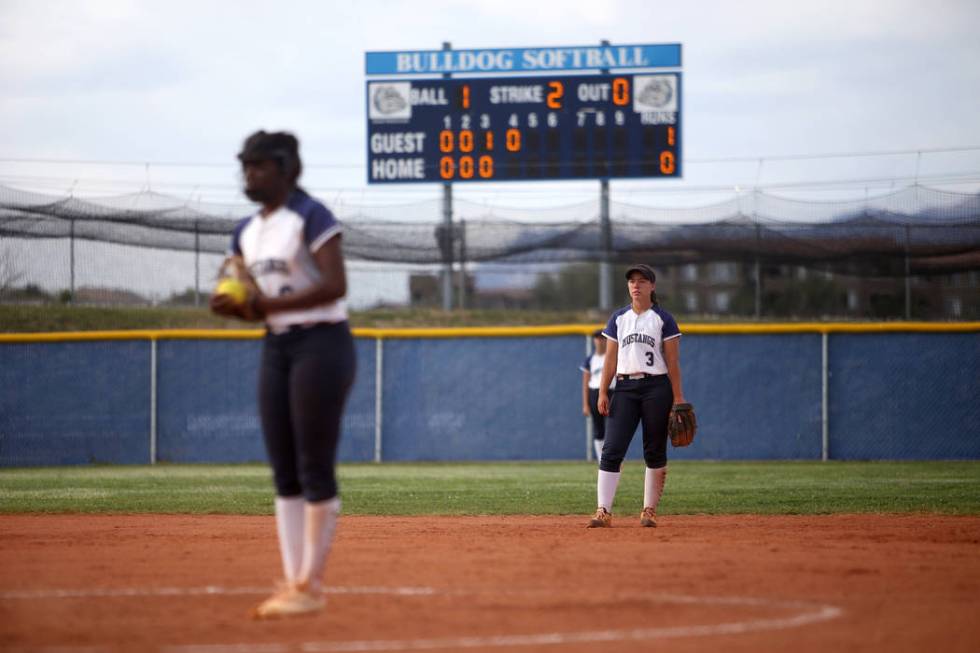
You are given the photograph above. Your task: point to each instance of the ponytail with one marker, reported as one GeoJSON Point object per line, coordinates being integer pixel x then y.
{"type": "Point", "coordinates": [653, 298]}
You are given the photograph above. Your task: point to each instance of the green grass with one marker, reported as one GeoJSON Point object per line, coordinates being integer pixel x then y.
{"type": "Point", "coordinates": [507, 488]}
{"type": "Point", "coordinates": [24, 318]}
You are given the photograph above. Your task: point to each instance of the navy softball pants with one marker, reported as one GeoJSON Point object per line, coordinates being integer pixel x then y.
{"type": "Point", "coordinates": [598, 419]}
{"type": "Point", "coordinates": [647, 401]}
{"type": "Point", "coordinates": [304, 379]}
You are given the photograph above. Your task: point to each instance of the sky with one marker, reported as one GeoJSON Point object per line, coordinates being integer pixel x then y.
{"type": "Point", "coordinates": [159, 94]}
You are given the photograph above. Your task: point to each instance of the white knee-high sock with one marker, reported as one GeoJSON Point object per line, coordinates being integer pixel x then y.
{"type": "Point", "coordinates": [653, 486]}
{"type": "Point", "coordinates": [606, 488]}
{"type": "Point", "coordinates": [321, 522]}
{"type": "Point", "coordinates": [598, 449]}
{"type": "Point", "coordinates": [289, 526]}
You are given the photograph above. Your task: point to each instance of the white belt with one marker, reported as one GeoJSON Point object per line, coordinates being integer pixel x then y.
{"type": "Point", "coordinates": [278, 331]}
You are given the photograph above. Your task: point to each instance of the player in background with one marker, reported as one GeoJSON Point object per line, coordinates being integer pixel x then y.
{"type": "Point", "coordinates": [591, 374]}
{"type": "Point", "coordinates": [643, 354]}
{"type": "Point", "coordinates": [291, 247]}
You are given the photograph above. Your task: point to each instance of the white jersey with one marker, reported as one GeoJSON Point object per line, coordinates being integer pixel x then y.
{"type": "Point", "coordinates": [641, 339]}
{"type": "Point", "coordinates": [593, 365]}
{"type": "Point", "coordinates": [278, 250]}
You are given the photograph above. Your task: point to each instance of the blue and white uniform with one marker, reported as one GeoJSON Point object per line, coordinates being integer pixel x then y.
{"type": "Point", "coordinates": [593, 366]}
{"type": "Point", "coordinates": [278, 250]}
{"type": "Point", "coordinates": [641, 339]}
{"type": "Point", "coordinates": [643, 391]}
{"type": "Point", "coordinates": [308, 358]}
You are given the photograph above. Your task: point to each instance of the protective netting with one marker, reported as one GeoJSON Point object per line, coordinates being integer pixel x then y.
{"type": "Point", "coordinates": [131, 240]}
{"type": "Point", "coordinates": [937, 230]}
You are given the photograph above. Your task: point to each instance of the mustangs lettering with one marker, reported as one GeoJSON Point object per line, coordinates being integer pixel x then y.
{"type": "Point", "coordinates": [639, 351]}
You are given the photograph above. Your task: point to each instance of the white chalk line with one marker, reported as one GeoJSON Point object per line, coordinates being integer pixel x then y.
{"type": "Point", "coordinates": [805, 614]}
{"type": "Point", "coordinates": [811, 614]}
{"type": "Point", "coordinates": [208, 590]}
{"type": "Point", "coordinates": [59, 649]}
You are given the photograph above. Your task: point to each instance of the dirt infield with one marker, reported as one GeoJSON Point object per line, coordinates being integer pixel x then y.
{"type": "Point", "coordinates": [184, 584]}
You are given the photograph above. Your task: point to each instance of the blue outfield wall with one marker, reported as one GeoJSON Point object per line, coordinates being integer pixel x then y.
{"type": "Point", "coordinates": [902, 396]}
{"type": "Point", "coordinates": [756, 396]}
{"type": "Point", "coordinates": [206, 402]}
{"type": "Point", "coordinates": [908, 396]}
{"type": "Point", "coordinates": [486, 398]}
{"type": "Point", "coordinates": [65, 403]}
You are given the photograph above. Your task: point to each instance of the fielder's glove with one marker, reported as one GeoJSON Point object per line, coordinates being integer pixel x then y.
{"type": "Point", "coordinates": [682, 425]}
{"type": "Point", "coordinates": [236, 292]}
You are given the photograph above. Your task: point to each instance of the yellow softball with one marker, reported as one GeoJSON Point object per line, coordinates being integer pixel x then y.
{"type": "Point", "coordinates": [233, 288]}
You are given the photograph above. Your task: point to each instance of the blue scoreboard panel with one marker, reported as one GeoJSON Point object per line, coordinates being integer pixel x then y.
{"type": "Point", "coordinates": [524, 128]}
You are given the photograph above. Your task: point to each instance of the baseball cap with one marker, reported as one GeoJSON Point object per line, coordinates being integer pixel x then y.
{"type": "Point", "coordinates": [643, 269]}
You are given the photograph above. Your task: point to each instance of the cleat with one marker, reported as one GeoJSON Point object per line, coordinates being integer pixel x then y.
{"type": "Point", "coordinates": [288, 602]}
{"type": "Point", "coordinates": [648, 517]}
{"type": "Point", "coordinates": [601, 519]}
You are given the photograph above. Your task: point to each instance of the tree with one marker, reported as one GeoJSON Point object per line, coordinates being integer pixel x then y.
{"type": "Point", "coordinates": [574, 287]}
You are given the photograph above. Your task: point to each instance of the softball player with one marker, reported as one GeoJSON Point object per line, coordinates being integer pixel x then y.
{"type": "Point", "coordinates": [643, 354]}
{"type": "Point", "coordinates": [591, 374]}
{"type": "Point", "coordinates": [291, 247]}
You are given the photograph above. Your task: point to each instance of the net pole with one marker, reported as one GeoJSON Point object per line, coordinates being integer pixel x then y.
{"type": "Point", "coordinates": [197, 265]}
{"type": "Point", "coordinates": [758, 274]}
{"type": "Point", "coordinates": [908, 245]}
{"type": "Point", "coordinates": [908, 275]}
{"type": "Point", "coordinates": [71, 261]}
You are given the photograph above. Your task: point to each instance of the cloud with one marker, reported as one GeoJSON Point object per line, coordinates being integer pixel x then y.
{"type": "Point", "coordinates": [185, 81]}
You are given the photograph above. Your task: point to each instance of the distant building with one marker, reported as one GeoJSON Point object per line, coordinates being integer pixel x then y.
{"type": "Point", "coordinates": [729, 288]}
{"type": "Point", "coordinates": [113, 296]}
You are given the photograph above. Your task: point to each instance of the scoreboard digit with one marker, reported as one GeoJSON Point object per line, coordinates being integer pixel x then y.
{"type": "Point", "coordinates": [524, 128]}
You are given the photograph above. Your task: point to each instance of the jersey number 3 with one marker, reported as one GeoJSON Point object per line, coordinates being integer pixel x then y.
{"type": "Point", "coordinates": [649, 359]}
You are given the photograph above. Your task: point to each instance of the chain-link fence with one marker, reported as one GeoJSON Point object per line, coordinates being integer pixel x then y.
{"type": "Point", "coordinates": [773, 394]}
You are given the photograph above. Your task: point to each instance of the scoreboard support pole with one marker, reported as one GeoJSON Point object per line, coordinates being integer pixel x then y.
{"type": "Point", "coordinates": [605, 236]}
{"type": "Point", "coordinates": [447, 263]}
{"type": "Point", "coordinates": [462, 265]}
{"type": "Point", "coordinates": [447, 220]}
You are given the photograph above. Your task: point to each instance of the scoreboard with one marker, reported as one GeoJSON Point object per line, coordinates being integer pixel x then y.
{"type": "Point", "coordinates": [524, 128]}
